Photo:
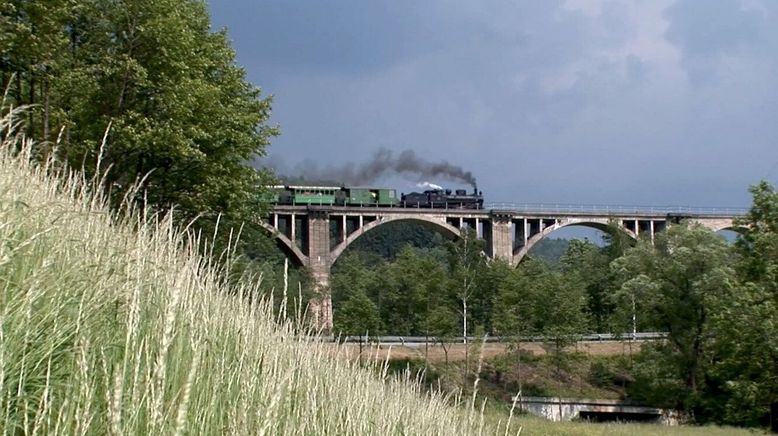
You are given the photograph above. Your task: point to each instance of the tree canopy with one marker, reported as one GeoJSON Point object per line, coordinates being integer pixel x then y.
{"type": "Point", "coordinates": [717, 302]}
{"type": "Point", "coordinates": [180, 111]}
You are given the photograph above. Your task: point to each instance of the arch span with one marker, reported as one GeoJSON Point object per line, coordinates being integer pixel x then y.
{"type": "Point", "coordinates": [719, 224]}
{"type": "Point", "coordinates": [602, 224]}
{"type": "Point", "coordinates": [732, 233]}
{"type": "Point", "coordinates": [734, 228]}
{"type": "Point", "coordinates": [439, 224]}
{"type": "Point", "coordinates": [298, 255]}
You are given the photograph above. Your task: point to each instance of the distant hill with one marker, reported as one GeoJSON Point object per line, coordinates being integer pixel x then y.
{"type": "Point", "coordinates": [550, 250]}
{"type": "Point", "coordinates": [389, 239]}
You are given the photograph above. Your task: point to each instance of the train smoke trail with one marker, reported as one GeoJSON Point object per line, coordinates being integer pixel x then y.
{"type": "Point", "coordinates": [382, 164]}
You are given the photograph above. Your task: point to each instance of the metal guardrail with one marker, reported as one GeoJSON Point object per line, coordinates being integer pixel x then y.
{"type": "Point", "coordinates": [593, 337]}
{"type": "Point", "coordinates": [616, 209]}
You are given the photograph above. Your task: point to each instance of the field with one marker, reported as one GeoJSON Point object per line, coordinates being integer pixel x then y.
{"type": "Point", "coordinates": [532, 425]}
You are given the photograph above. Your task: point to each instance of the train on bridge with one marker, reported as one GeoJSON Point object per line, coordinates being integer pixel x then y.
{"type": "Point", "coordinates": [376, 197]}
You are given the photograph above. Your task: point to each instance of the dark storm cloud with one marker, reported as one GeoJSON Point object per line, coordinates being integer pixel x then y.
{"type": "Point", "coordinates": [337, 36]}
{"type": "Point", "coordinates": [706, 31]}
{"type": "Point", "coordinates": [657, 102]}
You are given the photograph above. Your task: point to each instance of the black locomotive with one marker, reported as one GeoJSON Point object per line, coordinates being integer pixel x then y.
{"type": "Point", "coordinates": [443, 199]}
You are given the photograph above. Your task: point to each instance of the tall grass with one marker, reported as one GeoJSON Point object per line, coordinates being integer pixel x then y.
{"type": "Point", "coordinates": [116, 326]}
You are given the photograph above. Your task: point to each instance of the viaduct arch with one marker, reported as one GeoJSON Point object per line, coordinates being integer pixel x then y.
{"type": "Point", "coordinates": [602, 224]}
{"type": "Point", "coordinates": [317, 235]}
{"type": "Point", "coordinates": [290, 247]}
{"type": "Point", "coordinates": [437, 224]}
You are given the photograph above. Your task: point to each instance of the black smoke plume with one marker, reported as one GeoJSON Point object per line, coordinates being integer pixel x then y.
{"type": "Point", "coordinates": [383, 163]}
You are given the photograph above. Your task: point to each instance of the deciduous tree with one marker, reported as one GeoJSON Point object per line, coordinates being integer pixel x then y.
{"type": "Point", "coordinates": [674, 281]}
{"type": "Point", "coordinates": [746, 319]}
{"type": "Point", "coordinates": [180, 110]}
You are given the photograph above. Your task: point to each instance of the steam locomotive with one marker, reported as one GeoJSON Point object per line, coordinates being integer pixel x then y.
{"type": "Point", "coordinates": [444, 199]}
{"type": "Point", "coordinates": [375, 197]}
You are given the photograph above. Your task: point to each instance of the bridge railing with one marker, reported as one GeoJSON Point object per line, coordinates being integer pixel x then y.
{"type": "Point", "coordinates": [615, 209]}
{"type": "Point", "coordinates": [559, 208]}
{"type": "Point", "coordinates": [399, 205]}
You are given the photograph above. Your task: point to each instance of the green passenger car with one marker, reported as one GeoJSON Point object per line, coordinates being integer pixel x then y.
{"type": "Point", "coordinates": [315, 195]}
{"type": "Point", "coordinates": [370, 197]}
{"type": "Point", "coordinates": [387, 197]}
{"type": "Point", "coordinates": [333, 195]}
{"type": "Point", "coordinates": [360, 196]}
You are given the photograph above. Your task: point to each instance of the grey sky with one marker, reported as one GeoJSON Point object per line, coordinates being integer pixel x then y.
{"type": "Point", "coordinates": [656, 102]}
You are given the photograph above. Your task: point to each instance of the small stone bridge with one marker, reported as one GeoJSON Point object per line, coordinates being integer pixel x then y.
{"type": "Point", "coordinates": [315, 236]}
{"type": "Point", "coordinates": [568, 409]}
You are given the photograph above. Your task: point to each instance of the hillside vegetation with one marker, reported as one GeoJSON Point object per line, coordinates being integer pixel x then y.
{"type": "Point", "coordinates": [117, 326]}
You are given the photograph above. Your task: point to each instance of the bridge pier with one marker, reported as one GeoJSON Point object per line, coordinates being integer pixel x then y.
{"type": "Point", "coordinates": [500, 241]}
{"type": "Point", "coordinates": [319, 265]}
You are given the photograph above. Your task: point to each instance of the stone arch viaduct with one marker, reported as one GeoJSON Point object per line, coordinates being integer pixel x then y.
{"type": "Point", "coordinates": [315, 236]}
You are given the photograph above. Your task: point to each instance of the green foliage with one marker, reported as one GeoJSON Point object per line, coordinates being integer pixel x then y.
{"type": "Point", "coordinates": [466, 259]}
{"type": "Point", "coordinates": [181, 114]}
{"type": "Point", "coordinates": [353, 272]}
{"type": "Point", "coordinates": [562, 307]}
{"type": "Point", "coordinates": [607, 373]}
{"type": "Point", "coordinates": [588, 266]}
{"type": "Point", "coordinates": [718, 304]}
{"type": "Point", "coordinates": [391, 238]}
{"type": "Point", "coordinates": [144, 91]}
{"type": "Point", "coordinates": [550, 250]}
{"type": "Point", "coordinates": [411, 287]}
{"type": "Point", "coordinates": [441, 322]}
{"type": "Point", "coordinates": [490, 279]}
{"type": "Point", "coordinates": [746, 319]}
{"type": "Point", "coordinates": [617, 241]}
{"type": "Point", "coordinates": [657, 379]}
{"type": "Point", "coordinates": [117, 326]}
{"type": "Point", "coordinates": [675, 281]}
{"type": "Point", "coordinates": [758, 245]}
{"type": "Point", "coordinates": [536, 299]}
{"type": "Point", "coordinates": [516, 312]}
{"type": "Point", "coordinates": [359, 316]}
{"type": "Point", "coordinates": [405, 292]}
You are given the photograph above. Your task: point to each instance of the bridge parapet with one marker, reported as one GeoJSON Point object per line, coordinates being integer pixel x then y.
{"type": "Point", "coordinates": [616, 209]}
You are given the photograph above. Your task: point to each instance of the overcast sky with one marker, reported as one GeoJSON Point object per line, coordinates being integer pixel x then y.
{"type": "Point", "coordinates": [655, 102]}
